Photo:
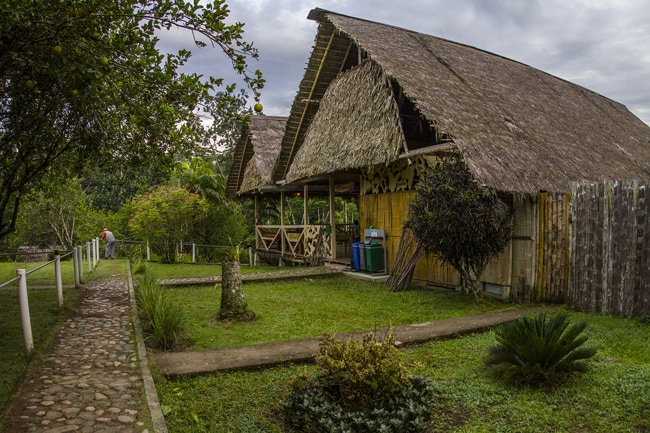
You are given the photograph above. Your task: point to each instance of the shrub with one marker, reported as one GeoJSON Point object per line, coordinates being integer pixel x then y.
{"type": "Point", "coordinates": [140, 267]}
{"type": "Point", "coordinates": [536, 350]}
{"type": "Point", "coordinates": [362, 372]}
{"type": "Point", "coordinates": [163, 319]}
{"type": "Point", "coordinates": [362, 387]}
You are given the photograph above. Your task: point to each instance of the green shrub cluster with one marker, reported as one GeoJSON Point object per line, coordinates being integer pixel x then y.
{"type": "Point", "coordinates": [140, 267]}
{"type": "Point", "coordinates": [163, 319]}
{"type": "Point", "coordinates": [362, 387]}
{"type": "Point", "coordinates": [534, 350]}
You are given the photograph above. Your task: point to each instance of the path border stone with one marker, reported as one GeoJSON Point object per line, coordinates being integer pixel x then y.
{"type": "Point", "coordinates": [153, 402]}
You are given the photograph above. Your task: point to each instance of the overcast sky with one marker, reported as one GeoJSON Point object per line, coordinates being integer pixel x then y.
{"type": "Point", "coordinates": [603, 45]}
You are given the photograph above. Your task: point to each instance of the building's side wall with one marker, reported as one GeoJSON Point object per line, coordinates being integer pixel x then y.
{"type": "Point", "coordinates": [385, 195]}
{"type": "Point", "coordinates": [524, 249]}
{"type": "Point", "coordinates": [388, 212]}
{"type": "Point", "coordinates": [533, 267]}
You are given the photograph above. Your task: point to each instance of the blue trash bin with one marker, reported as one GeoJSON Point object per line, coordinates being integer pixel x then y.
{"type": "Point", "coordinates": [356, 258]}
{"type": "Point", "coordinates": [362, 256]}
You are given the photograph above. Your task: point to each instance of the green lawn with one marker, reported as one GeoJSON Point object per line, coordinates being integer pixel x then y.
{"type": "Point", "coordinates": [315, 306]}
{"type": "Point", "coordinates": [611, 397]}
{"type": "Point", "coordinates": [40, 277]}
{"type": "Point", "coordinates": [185, 270]}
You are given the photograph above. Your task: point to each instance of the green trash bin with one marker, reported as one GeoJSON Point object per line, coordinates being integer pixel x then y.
{"type": "Point", "coordinates": [374, 257]}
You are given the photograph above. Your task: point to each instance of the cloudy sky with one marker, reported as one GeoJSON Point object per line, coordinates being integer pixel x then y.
{"type": "Point", "coordinates": [603, 45]}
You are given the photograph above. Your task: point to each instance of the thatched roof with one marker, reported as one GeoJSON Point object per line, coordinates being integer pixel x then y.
{"type": "Point", "coordinates": [521, 129]}
{"type": "Point", "coordinates": [255, 154]}
{"type": "Point", "coordinates": [342, 137]}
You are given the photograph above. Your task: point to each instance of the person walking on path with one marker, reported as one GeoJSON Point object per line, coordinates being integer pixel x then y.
{"type": "Point", "coordinates": [107, 235]}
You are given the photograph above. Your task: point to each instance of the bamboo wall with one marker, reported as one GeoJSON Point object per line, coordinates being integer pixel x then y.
{"type": "Point", "coordinates": [552, 270]}
{"type": "Point", "coordinates": [524, 249]}
{"type": "Point", "coordinates": [388, 212]}
{"type": "Point", "coordinates": [610, 270]}
{"type": "Point", "coordinates": [533, 268]}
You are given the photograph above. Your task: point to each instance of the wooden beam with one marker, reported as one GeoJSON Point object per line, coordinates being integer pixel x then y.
{"type": "Point", "coordinates": [332, 219]}
{"type": "Point", "coordinates": [311, 93]}
{"type": "Point", "coordinates": [444, 147]}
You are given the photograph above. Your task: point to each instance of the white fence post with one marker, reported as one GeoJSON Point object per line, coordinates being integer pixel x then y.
{"type": "Point", "coordinates": [193, 252]}
{"type": "Point", "coordinates": [250, 256]}
{"type": "Point", "coordinates": [24, 311]}
{"type": "Point", "coordinates": [96, 250]}
{"type": "Point", "coordinates": [148, 252]}
{"type": "Point", "coordinates": [57, 278]}
{"type": "Point", "coordinates": [75, 267]}
{"type": "Point", "coordinates": [90, 265]}
{"type": "Point", "coordinates": [80, 254]}
{"type": "Point", "coordinates": [94, 253]}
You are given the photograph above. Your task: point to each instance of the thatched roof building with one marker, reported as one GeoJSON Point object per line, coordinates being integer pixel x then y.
{"type": "Point", "coordinates": [255, 154]}
{"type": "Point", "coordinates": [521, 129]}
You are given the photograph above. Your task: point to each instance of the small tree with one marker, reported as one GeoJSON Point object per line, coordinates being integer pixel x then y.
{"type": "Point", "coordinates": [458, 220]}
{"type": "Point", "coordinates": [233, 301]}
{"type": "Point", "coordinates": [164, 216]}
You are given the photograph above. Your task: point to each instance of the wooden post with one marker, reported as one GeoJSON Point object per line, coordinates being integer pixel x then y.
{"type": "Point", "coordinates": [332, 218]}
{"type": "Point", "coordinates": [305, 205]}
{"type": "Point", "coordinates": [281, 233]}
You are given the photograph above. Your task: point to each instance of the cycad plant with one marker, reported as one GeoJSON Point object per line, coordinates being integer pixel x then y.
{"type": "Point", "coordinates": [534, 350]}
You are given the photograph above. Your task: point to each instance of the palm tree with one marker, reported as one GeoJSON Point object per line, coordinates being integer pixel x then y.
{"type": "Point", "coordinates": [201, 176]}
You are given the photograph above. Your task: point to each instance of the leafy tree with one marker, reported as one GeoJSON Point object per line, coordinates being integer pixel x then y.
{"type": "Point", "coordinates": [534, 350]}
{"type": "Point", "coordinates": [114, 184]}
{"type": "Point", "coordinates": [65, 217]}
{"type": "Point", "coordinates": [85, 83]}
{"type": "Point", "coordinates": [201, 176]}
{"type": "Point", "coordinates": [228, 113]}
{"type": "Point", "coordinates": [165, 216]}
{"type": "Point", "coordinates": [458, 220]}
{"type": "Point", "coordinates": [224, 221]}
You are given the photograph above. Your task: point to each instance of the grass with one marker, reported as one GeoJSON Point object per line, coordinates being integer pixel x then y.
{"type": "Point", "coordinates": [612, 396]}
{"type": "Point", "coordinates": [45, 316]}
{"type": "Point", "coordinates": [41, 277]}
{"type": "Point", "coordinates": [184, 270]}
{"type": "Point", "coordinates": [316, 306]}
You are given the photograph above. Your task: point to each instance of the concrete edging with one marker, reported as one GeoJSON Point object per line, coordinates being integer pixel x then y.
{"type": "Point", "coordinates": [157, 417]}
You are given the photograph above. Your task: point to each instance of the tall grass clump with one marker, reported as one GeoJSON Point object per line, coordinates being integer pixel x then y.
{"type": "Point", "coordinates": [362, 387]}
{"type": "Point", "coordinates": [163, 319]}
{"type": "Point", "coordinates": [536, 351]}
{"type": "Point", "coordinates": [140, 267]}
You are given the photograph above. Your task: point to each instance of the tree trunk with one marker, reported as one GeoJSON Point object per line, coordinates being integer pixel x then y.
{"type": "Point", "coordinates": [233, 301]}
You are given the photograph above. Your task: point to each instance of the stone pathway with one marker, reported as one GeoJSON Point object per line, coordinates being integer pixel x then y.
{"type": "Point", "coordinates": [91, 380]}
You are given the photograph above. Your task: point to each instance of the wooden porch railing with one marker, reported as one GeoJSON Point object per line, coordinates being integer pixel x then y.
{"type": "Point", "coordinates": [295, 241]}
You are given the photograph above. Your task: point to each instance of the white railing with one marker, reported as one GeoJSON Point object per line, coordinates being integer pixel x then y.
{"type": "Point", "coordinates": [92, 255]}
